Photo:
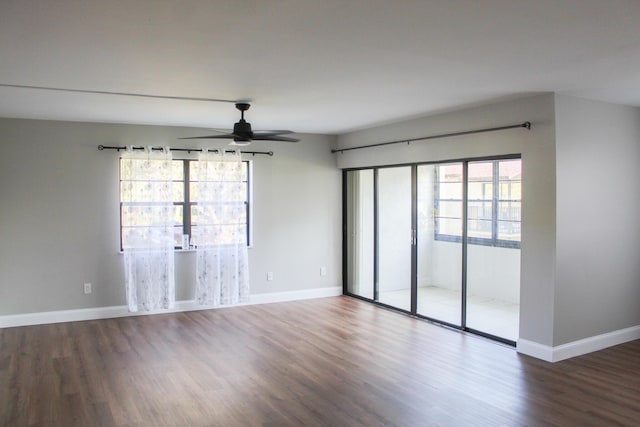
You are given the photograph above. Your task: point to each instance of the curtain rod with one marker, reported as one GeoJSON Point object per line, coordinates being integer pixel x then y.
{"type": "Point", "coordinates": [188, 150]}
{"type": "Point", "coordinates": [526, 125]}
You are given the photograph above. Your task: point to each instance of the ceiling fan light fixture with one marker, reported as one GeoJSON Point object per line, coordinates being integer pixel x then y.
{"type": "Point", "coordinates": [240, 143]}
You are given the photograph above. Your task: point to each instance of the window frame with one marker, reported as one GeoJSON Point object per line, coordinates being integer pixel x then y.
{"type": "Point", "coordinates": [187, 203]}
{"type": "Point", "coordinates": [495, 200]}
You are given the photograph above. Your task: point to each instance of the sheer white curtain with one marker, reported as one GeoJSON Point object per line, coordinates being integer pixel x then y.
{"type": "Point", "coordinates": [147, 238]}
{"type": "Point", "coordinates": [219, 229]}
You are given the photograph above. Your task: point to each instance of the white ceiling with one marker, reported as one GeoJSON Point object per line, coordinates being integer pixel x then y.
{"type": "Point", "coordinates": [324, 66]}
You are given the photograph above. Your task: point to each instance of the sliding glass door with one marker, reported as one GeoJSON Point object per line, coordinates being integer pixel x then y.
{"type": "Point", "coordinates": [440, 241]}
{"type": "Point", "coordinates": [440, 189]}
{"type": "Point", "coordinates": [359, 198]}
{"type": "Point", "coordinates": [395, 234]}
{"type": "Point", "coordinates": [493, 250]}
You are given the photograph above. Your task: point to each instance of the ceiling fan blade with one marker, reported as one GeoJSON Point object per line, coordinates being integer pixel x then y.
{"type": "Point", "coordinates": [222, 136]}
{"type": "Point", "coordinates": [242, 133]}
{"type": "Point", "coordinates": [257, 133]}
{"type": "Point", "coordinates": [275, 138]}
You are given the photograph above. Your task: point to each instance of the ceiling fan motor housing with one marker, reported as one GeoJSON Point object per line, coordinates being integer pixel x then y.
{"type": "Point", "coordinates": [242, 131]}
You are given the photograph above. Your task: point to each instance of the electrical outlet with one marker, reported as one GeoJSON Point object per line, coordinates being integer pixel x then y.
{"type": "Point", "coordinates": [87, 288]}
{"type": "Point", "coordinates": [270, 275]}
{"type": "Point", "coordinates": [323, 271]}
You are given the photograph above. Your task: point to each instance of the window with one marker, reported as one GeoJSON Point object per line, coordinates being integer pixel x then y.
{"type": "Point", "coordinates": [136, 204]}
{"type": "Point", "coordinates": [493, 202]}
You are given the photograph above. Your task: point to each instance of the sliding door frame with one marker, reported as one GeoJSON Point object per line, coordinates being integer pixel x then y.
{"type": "Point", "coordinates": [376, 238]}
{"type": "Point", "coordinates": [414, 240]}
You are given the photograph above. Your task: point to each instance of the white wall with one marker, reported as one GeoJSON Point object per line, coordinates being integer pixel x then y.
{"type": "Point", "coordinates": [492, 272]}
{"type": "Point", "coordinates": [394, 225]}
{"type": "Point", "coordinates": [598, 214]}
{"type": "Point", "coordinates": [366, 229]}
{"type": "Point", "coordinates": [537, 148]}
{"type": "Point", "coordinates": [360, 252]}
{"type": "Point", "coordinates": [59, 223]}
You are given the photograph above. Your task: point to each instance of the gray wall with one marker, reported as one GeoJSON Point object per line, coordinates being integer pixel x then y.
{"type": "Point", "coordinates": [537, 147]}
{"type": "Point", "coordinates": [580, 274]}
{"type": "Point", "coordinates": [598, 211]}
{"type": "Point", "coordinates": [59, 223]}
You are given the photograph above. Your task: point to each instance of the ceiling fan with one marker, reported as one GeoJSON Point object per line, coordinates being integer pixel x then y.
{"type": "Point", "coordinates": [243, 135]}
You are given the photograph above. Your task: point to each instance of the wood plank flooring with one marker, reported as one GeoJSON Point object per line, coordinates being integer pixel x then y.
{"type": "Point", "coordinates": [326, 362]}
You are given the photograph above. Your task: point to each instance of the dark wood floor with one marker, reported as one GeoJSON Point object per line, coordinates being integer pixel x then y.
{"type": "Point", "coordinates": [327, 362]}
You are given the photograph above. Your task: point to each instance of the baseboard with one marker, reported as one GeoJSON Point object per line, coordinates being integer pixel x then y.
{"type": "Point", "coordinates": [13, 320]}
{"type": "Point", "coordinates": [578, 348]}
{"type": "Point", "coordinates": [271, 297]}
{"type": "Point", "coordinates": [598, 342]}
{"type": "Point", "coordinates": [534, 349]}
